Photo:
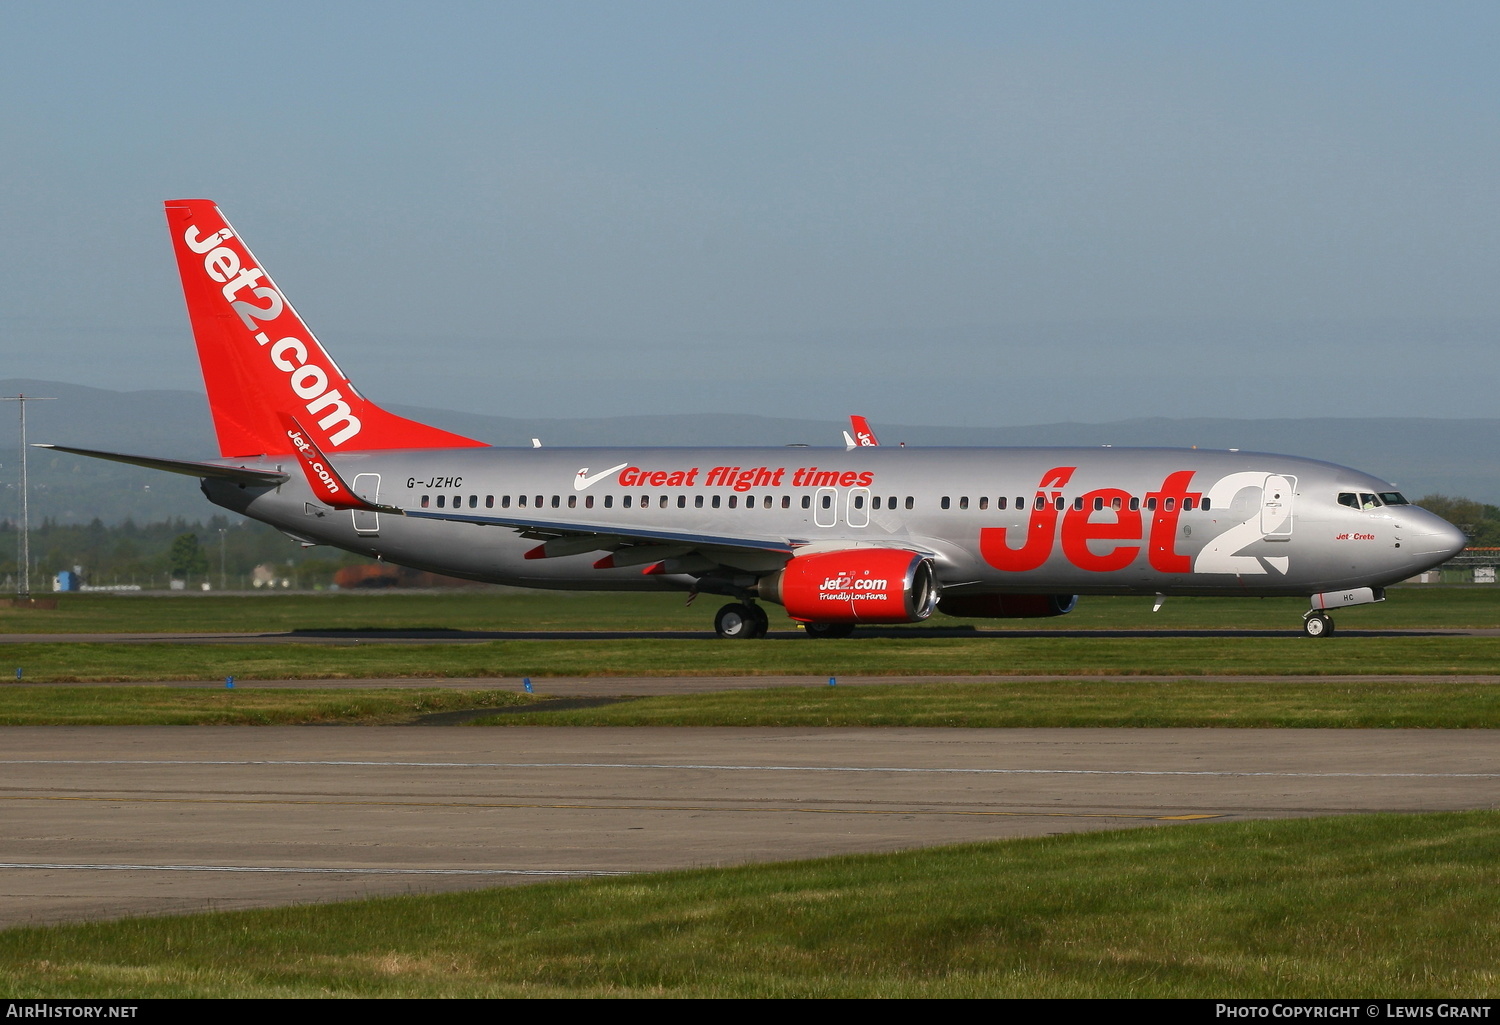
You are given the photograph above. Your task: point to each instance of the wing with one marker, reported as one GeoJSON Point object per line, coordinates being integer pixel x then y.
{"type": "Point", "coordinates": [634, 545]}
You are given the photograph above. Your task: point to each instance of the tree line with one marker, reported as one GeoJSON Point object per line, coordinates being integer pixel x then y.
{"type": "Point", "coordinates": [220, 553]}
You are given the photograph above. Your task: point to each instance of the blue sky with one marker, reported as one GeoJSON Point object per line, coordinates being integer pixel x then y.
{"type": "Point", "coordinates": [967, 214]}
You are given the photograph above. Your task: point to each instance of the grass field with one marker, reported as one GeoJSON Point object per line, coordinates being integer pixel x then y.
{"type": "Point", "coordinates": [884, 656]}
{"type": "Point", "coordinates": [1056, 703]}
{"type": "Point", "coordinates": [1358, 907]}
{"type": "Point", "coordinates": [166, 706]}
{"type": "Point", "coordinates": [1051, 703]}
{"type": "Point", "coordinates": [495, 609]}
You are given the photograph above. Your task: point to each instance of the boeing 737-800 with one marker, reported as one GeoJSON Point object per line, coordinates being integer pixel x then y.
{"type": "Point", "coordinates": [866, 534]}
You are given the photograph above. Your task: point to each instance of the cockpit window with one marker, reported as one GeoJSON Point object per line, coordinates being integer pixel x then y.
{"type": "Point", "coordinates": [1349, 498]}
{"type": "Point", "coordinates": [1368, 501]}
{"type": "Point", "coordinates": [1394, 498]}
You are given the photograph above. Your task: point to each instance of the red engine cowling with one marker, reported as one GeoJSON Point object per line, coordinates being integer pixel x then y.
{"type": "Point", "coordinates": [1008, 606]}
{"type": "Point", "coordinates": [858, 585]}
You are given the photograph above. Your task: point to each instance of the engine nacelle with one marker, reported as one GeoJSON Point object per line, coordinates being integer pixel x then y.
{"type": "Point", "coordinates": [856, 585]}
{"type": "Point", "coordinates": [1008, 606]}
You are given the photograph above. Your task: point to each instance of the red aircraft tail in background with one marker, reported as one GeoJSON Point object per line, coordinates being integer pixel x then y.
{"type": "Point", "coordinates": [259, 359]}
{"type": "Point", "coordinates": [862, 437]}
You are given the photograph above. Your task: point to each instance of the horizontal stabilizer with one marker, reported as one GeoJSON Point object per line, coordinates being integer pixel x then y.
{"type": "Point", "coordinates": [238, 474]}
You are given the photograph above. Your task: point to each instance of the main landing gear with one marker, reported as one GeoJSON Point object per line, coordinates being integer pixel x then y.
{"type": "Point", "coordinates": [1317, 624]}
{"type": "Point", "coordinates": [741, 620]}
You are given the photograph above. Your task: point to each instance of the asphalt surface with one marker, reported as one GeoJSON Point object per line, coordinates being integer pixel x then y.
{"type": "Point", "coordinates": [110, 821]}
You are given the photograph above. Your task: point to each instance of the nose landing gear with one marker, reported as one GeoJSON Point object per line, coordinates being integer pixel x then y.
{"type": "Point", "coordinates": [741, 621]}
{"type": "Point", "coordinates": [1317, 624]}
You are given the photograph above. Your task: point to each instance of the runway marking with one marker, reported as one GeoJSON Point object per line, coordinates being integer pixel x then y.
{"type": "Point", "coordinates": [322, 871]}
{"type": "Point", "coordinates": [762, 768]}
{"type": "Point", "coordinates": [606, 807]}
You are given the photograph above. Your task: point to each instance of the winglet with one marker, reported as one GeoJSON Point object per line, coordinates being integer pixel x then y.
{"type": "Point", "coordinates": [321, 476]}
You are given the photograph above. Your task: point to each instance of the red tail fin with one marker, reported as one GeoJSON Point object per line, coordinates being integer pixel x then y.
{"type": "Point", "coordinates": [259, 359]}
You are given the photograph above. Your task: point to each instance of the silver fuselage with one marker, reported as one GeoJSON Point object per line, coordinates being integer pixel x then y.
{"type": "Point", "coordinates": [1022, 520]}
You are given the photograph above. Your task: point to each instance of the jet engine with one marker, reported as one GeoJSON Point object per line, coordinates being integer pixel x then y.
{"type": "Point", "coordinates": [856, 585]}
{"type": "Point", "coordinates": [1008, 606]}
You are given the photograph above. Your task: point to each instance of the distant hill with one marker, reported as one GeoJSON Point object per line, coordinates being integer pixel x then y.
{"type": "Point", "coordinates": [1422, 455]}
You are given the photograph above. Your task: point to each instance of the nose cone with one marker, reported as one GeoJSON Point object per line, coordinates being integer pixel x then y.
{"type": "Point", "coordinates": [1433, 539]}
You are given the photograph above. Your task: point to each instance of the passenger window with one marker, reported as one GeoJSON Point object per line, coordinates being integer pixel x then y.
{"type": "Point", "coordinates": [682, 501]}
{"type": "Point", "coordinates": [734, 501]}
{"type": "Point", "coordinates": [697, 501]}
{"type": "Point", "coordinates": [1099, 503]}
{"type": "Point", "coordinates": [442, 499]}
{"type": "Point", "coordinates": [716, 501]}
{"type": "Point", "coordinates": [1135, 503]}
{"type": "Point", "coordinates": [1000, 502]}
{"type": "Point", "coordinates": [1114, 503]}
{"type": "Point", "coordinates": [505, 501]}
{"type": "Point", "coordinates": [963, 503]}
{"type": "Point", "coordinates": [944, 503]}
{"type": "Point", "coordinates": [786, 501]}
{"type": "Point", "coordinates": [538, 501]}
{"type": "Point", "coordinates": [645, 501]}
{"type": "Point", "coordinates": [909, 501]}
{"type": "Point", "coordinates": [984, 503]}
{"type": "Point", "coordinates": [807, 501]}
{"type": "Point", "coordinates": [609, 501]}
{"type": "Point", "coordinates": [827, 501]}
{"type": "Point", "coordinates": [1021, 501]}
{"type": "Point", "coordinates": [859, 501]}
{"type": "Point", "coordinates": [1078, 502]}
{"type": "Point", "coordinates": [588, 501]}
{"type": "Point", "coordinates": [473, 501]}
{"type": "Point", "coordinates": [663, 503]}
{"type": "Point", "coordinates": [625, 502]}
{"type": "Point", "coordinates": [890, 502]}
{"type": "Point", "coordinates": [489, 501]}
{"type": "Point", "coordinates": [1170, 504]}
{"type": "Point", "coordinates": [875, 502]}
{"type": "Point", "coordinates": [1204, 504]}
{"type": "Point", "coordinates": [554, 502]}
{"type": "Point", "coordinates": [1060, 503]}
{"type": "Point", "coordinates": [572, 501]}
{"type": "Point", "coordinates": [1151, 504]}
{"type": "Point", "coordinates": [424, 501]}
{"type": "Point", "coordinates": [1187, 505]}
{"type": "Point", "coordinates": [521, 501]}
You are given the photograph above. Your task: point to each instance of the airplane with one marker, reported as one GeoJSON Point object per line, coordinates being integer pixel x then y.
{"type": "Point", "coordinates": [867, 534]}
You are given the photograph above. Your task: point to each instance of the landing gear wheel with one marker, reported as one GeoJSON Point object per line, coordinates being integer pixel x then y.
{"type": "Point", "coordinates": [1317, 626]}
{"type": "Point", "coordinates": [738, 621]}
{"type": "Point", "coordinates": [829, 630]}
{"type": "Point", "coordinates": [760, 621]}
